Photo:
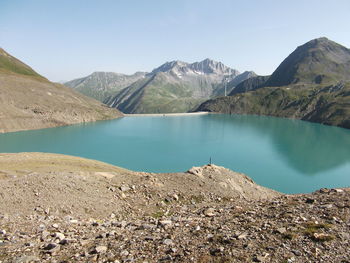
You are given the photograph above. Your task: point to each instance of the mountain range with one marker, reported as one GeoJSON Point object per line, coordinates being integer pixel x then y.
{"type": "Point", "coordinates": [312, 83]}
{"type": "Point", "coordinates": [175, 86]}
{"type": "Point", "coordinates": [101, 85]}
{"type": "Point", "coordinates": [30, 101]}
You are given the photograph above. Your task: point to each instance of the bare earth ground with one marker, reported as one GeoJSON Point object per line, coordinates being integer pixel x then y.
{"type": "Point", "coordinates": [56, 208]}
{"type": "Point", "coordinates": [28, 103]}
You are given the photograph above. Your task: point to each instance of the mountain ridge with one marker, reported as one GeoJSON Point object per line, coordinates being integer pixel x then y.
{"type": "Point", "coordinates": [312, 84]}
{"type": "Point", "coordinates": [207, 66]}
{"type": "Point", "coordinates": [176, 86]}
{"type": "Point", "coordinates": [100, 85]}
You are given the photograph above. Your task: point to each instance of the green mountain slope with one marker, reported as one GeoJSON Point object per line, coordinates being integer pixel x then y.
{"type": "Point", "coordinates": [176, 87]}
{"type": "Point", "coordinates": [328, 105]}
{"type": "Point", "coordinates": [10, 64]}
{"type": "Point", "coordinates": [29, 101]}
{"type": "Point", "coordinates": [314, 86]}
{"type": "Point", "coordinates": [156, 95]}
{"type": "Point", "coordinates": [101, 85]}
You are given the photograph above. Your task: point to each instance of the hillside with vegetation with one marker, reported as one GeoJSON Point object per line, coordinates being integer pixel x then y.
{"type": "Point", "coordinates": [177, 86]}
{"type": "Point", "coordinates": [30, 101]}
{"type": "Point", "coordinates": [312, 84]}
{"type": "Point", "coordinates": [101, 85]}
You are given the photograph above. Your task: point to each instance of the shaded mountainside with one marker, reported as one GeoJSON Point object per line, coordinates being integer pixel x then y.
{"type": "Point", "coordinates": [234, 83]}
{"type": "Point", "coordinates": [29, 101]}
{"type": "Point", "coordinates": [250, 84]}
{"type": "Point", "coordinates": [58, 208]}
{"type": "Point", "coordinates": [314, 86]}
{"type": "Point", "coordinates": [176, 87]}
{"type": "Point", "coordinates": [101, 85]}
{"type": "Point", "coordinates": [327, 105]}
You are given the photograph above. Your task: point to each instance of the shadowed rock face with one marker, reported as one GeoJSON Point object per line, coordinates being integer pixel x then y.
{"type": "Point", "coordinates": [29, 101]}
{"type": "Point", "coordinates": [312, 83]}
{"type": "Point", "coordinates": [177, 86]}
{"type": "Point", "coordinates": [250, 84]}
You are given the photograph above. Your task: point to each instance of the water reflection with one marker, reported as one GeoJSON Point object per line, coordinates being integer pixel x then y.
{"type": "Point", "coordinates": [278, 153]}
{"type": "Point", "coordinates": [307, 147]}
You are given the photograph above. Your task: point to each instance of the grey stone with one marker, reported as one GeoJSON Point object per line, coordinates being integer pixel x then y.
{"type": "Point", "coordinates": [209, 212]}
{"type": "Point", "coordinates": [100, 249]}
{"type": "Point", "coordinates": [59, 236]}
{"type": "Point", "coordinates": [281, 230]}
{"type": "Point", "coordinates": [124, 188]}
{"type": "Point", "coordinates": [26, 259]}
{"type": "Point", "coordinates": [168, 242]}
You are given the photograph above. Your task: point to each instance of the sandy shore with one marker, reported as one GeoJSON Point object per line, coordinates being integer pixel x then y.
{"type": "Point", "coordinates": [168, 114]}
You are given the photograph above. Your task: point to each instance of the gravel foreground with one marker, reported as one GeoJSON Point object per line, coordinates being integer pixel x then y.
{"type": "Point", "coordinates": [208, 214]}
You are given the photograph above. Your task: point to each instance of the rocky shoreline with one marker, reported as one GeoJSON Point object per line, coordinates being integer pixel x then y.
{"type": "Point", "coordinates": [69, 209]}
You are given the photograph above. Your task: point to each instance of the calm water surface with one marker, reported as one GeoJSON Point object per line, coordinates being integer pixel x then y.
{"type": "Point", "coordinates": [290, 156]}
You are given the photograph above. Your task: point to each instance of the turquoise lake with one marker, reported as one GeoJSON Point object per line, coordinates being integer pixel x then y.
{"type": "Point", "coordinates": [290, 156]}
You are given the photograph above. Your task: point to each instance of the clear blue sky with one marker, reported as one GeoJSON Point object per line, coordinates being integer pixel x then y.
{"type": "Point", "coordinates": [66, 39]}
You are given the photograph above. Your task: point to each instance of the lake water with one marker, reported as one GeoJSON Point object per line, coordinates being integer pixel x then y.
{"type": "Point", "coordinates": [290, 156]}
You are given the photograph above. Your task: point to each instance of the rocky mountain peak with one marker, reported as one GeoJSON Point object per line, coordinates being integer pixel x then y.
{"type": "Point", "coordinates": [168, 66]}
{"type": "Point", "coordinates": [209, 66]}
{"type": "Point", "coordinates": [319, 41]}
{"type": "Point", "coordinates": [322, 44]}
